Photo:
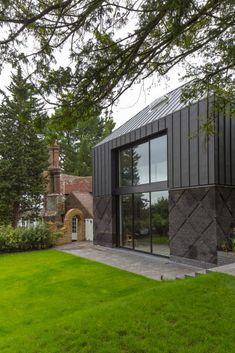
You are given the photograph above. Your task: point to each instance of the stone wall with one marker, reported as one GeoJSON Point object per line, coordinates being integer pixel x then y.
{"type": "Point", "coordinates": [200, 218]}
{"type": "Point", "coordinates": [104, 221]}
{"type": "Point", "coordinates": [54, 208]}
{"type": "Point", "coordinates": [225, 212]}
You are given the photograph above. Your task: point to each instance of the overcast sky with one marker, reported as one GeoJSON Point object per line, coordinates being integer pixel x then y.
{"type": "Point", "coordinates": [140, 95]}
{"type": "Point", "coordinates": [134, 99]}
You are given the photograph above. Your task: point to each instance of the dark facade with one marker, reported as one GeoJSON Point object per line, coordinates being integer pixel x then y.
{"type": "Point", "coordinates": [200, 176]}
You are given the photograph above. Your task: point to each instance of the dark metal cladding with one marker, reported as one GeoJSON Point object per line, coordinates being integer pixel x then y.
{"type": "Point", "coordinates": [194, 159]}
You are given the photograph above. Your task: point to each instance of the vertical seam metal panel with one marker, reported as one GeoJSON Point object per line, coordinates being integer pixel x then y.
{"type": "Point", "coordinates": [176, 157]}
{"type": "Point", "coordinates": [203, 145]}
{"type": "Point", "coordinates": [172, 152]}
{"type": "Point", "coordinates": [184, 141]}
{"type": "Point", "coordinates": [228, 149]}
{"type": "Point", "coordinates": [212, 145]}
{"type": "Point", "coordinates": [99, 171]}
{"type": "Point", "coordinates": [198, 165]}
{"type": "Point", "coordinates": [233, 149]}
{"type": "Point", "coordinates": [169, 151]}
{"type": "Point", "coordinates": [180, 143]}
{"type": "Point", "coordinates": [193, 114]}
{"type": "Point", "coordinates": [189, 146]}
{"type": "Point", "coordinates": [93, 172]}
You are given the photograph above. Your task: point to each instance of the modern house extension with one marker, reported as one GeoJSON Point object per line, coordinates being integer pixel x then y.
{"type": "Point", "coordinates": [163, 186]}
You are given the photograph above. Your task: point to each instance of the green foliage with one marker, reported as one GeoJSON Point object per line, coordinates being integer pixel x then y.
{"type": "Point", "coordinates": [160, 216]}
{"type": "Point", "coordinates": [23, 152]}
{"type": "Point", "coordinates": [228, 244]}
{"type": "Point", "coordinates": [77, 136]}
{"type": "Point", "coordinates": [23, 239]}
{"type": "Point", "coordinates": [107, 54]}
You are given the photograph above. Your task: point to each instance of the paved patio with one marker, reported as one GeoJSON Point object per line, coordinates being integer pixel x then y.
{"type": "Point", "coordinates": [228, 269]}
{"type": "Point", "coordinates": [154, 267]}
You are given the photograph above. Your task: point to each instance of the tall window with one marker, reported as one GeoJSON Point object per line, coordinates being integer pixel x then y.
{"type": "Point", "coordinates": [125, 166]}
{"type": "Point", "coordinates": [141, 222]}
{"type": "Point", "coordinates": [126, 226]}
{"type": "Point", "coordinates": [159, 222]}
{"type": "Point", "coordinates": [144, 163]}
{"type": "Point", "coordinates": [140, 157]}
{"type": "Point", "coordinates": [144, 223]}
{"type": "Point", "coordinates": [144, 215]}
{"type": "Point", "coordinates": [158, 152]}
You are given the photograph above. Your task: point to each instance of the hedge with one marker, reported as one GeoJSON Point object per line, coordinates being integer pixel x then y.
{"type": "Point", "coordinates": [22, 239]}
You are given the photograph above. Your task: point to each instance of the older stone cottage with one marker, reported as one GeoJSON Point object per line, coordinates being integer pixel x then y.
{"type": "Point", "coordinates": [69, 201]}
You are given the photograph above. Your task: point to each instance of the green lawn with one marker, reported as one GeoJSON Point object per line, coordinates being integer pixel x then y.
{"type": "Point", "coordinates": [54, 302]}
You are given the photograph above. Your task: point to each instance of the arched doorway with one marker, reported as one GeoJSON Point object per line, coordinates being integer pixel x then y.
{"type": "Point", "coordinates": [74, 225]}
{"type": "Point", "coordinates": [74, 228]}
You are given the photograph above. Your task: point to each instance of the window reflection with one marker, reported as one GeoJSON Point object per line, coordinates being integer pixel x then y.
{"type": "Point", "coordinates": [142, 234]}
{"type": "Point", "coordinates": [143, 227]}
{"type": "Point", "coordinates": [158, 151]}
{"type": "Point", "coordinates": [126, 167]}
{"type": "Point", "coordinates": [141, 164]}
{"type": "Point", "coordinates": [126, 217]}
{"type": "Point", "coordinates": [134, 163]}
{"type": "Point", "coordinates": [160, 222]}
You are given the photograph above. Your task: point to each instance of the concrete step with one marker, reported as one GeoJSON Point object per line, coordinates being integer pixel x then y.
{"type": "Point", "coordinates": [201, 272]}
{"type": "Point", "coordinates": [208, 270]}
{"type": "Point", "coordinates": [180, 277]}
{"type": "Point", "coordinates": [187, 275]}
{"type": "Point", "coordinates": [190, 275]}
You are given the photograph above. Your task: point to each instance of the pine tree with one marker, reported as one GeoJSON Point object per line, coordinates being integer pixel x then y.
{"type": "Point", "coordinates": [77, 154]}
{"type": "Point", "coordinates": [76, 142]}
{"type": "Point", "coordinates": [23, 152]}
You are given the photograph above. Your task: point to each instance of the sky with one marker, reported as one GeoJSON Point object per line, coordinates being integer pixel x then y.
{"type": "Point", "coordinates": [134, 99]}
{"type": "Point", "coordinates": [140, 95]}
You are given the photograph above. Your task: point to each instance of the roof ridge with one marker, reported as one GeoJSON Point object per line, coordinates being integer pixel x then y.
{"type": "Point", "coordinates": [154, 116]}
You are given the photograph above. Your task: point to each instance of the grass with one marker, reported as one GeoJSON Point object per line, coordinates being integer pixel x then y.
{"type": "Point", "coordinates": [51, 302]}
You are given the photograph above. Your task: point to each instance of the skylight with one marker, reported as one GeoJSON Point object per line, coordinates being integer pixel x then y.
{"type": "Point", "coordinates": [158, 102]}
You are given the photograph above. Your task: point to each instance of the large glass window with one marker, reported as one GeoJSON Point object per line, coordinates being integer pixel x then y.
{"type": "Point", "coordinates": [144, 222]}
{"type": "Point", "coordinates": [125, 167]}
{"type": "Point", "coordinates": [141, 164]}
{"type": "Point", "coordinates": [135, 166]}
{"type": "Point", "coordinates": [160, 222]}
{"type": "Point", "coordinates": [158, 152]}
{"type": "Point", "coordinates": [126, 217]}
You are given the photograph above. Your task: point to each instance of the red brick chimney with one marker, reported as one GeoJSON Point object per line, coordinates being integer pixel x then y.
{"type": "Point", "coordinates": [54, 169]}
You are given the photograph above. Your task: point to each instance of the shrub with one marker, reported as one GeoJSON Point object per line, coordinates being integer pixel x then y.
{"type": "Point", "coordinates": [20, 239]}
{"type": "Point", "coordinates": [228, 244]}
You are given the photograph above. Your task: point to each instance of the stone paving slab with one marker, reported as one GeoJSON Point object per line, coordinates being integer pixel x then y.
{"type": "Point", "coordinates": [146, 265]}
{"type": "Point", "coordinates": [228, 269]}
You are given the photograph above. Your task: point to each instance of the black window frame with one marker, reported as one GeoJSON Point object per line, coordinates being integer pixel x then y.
{"type": "Point", "coordinates": [159, 185]}
{"type": "Point", "coordinates": [118, 190]}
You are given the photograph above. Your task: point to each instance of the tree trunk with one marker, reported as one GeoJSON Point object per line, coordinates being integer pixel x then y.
{"type": "Point", "coordinates": [15, 215]}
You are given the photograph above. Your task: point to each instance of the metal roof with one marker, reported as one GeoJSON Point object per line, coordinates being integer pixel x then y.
{"type": "Point", "coordinates": [160, 107]}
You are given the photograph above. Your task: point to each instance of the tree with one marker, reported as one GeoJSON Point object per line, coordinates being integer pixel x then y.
{"type": "Point", "coordinates": [108, 55]}
{"type": "Point", "coordinates": [160, 216]}
{"type": "Point", "coordinates": [23, 153]}
{"type": "Point", "coordinates": [77, 137]}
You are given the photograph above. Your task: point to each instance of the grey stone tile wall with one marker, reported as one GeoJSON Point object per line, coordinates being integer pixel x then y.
{"type": "Point", "coordinates": [104, 221]}
{"type": "Point", "coordinates": [200, 218]}
{"type": "Point", "coordinates": [225, 212]}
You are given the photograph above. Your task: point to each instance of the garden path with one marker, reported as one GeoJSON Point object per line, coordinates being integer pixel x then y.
{"type": "Point", "coordinates": [154, 267]}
